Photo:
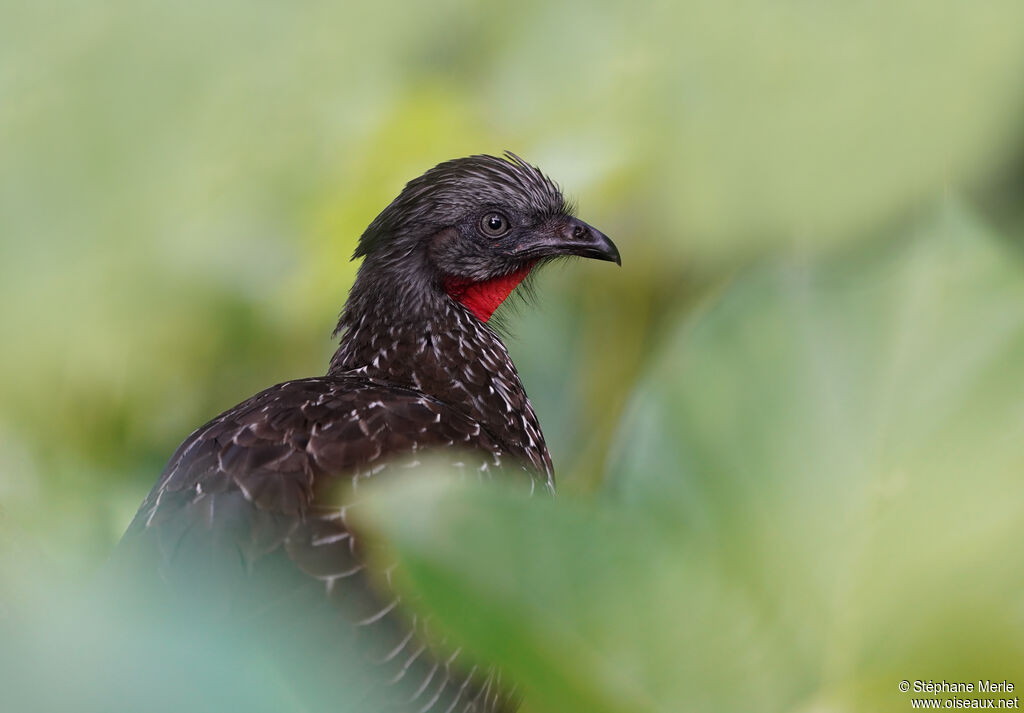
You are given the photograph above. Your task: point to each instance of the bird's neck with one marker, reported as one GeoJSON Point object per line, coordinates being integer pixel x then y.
{"type": "Point", "coordinates": [432, 343]}
{"type": "Point", "coordinates": [482, 298]}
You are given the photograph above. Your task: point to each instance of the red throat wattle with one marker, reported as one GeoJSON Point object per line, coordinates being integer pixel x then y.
{"type": "Point", "coordinates": [482, 298]}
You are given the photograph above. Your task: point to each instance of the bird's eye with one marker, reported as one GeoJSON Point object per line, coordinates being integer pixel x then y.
{"type": "Point", "coordinates": [494, 224]}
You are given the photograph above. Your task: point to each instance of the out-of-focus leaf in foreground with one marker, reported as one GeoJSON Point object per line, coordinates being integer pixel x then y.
{"type": "Point", "coordinates": [591, 609]}
{"type": "Point", "coordinates": [116, 642]}
{"type": "Point", "coordinates": [816, 494]}
{"type": "Point", "coordinates": [845, 437]}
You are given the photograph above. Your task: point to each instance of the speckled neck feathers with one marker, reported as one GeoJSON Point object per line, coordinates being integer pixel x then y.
{"type": "Point", "coordinates": [433, 344]}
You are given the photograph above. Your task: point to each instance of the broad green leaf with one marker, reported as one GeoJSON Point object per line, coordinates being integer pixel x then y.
{"type": "Point", "coordinates": [111, 644]}
{"type": "Point", "coordinates": [846, 437]}
{"type": "Point", "coordinates": [588, 607]}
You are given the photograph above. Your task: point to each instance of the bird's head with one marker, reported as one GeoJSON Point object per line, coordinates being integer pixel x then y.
{"type": "Point", "coordinates": [473, 228]}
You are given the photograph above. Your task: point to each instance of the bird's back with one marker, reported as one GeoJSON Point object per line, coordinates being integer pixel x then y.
{"type": "Point", "coordinates": [256, 504]}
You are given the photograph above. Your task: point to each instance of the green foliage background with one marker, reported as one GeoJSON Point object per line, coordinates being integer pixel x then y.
{"type": "Point", "coordinates": [788, 431]}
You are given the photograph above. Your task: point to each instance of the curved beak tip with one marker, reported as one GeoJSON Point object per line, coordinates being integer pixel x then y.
{"type": "Point", "coordinates": [606, 248]}
{"type": "Point", "coordinates": [591, 242]}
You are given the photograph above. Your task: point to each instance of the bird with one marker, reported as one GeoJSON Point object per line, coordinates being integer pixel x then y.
{"type": "Point", "coordinates": [420, 370]}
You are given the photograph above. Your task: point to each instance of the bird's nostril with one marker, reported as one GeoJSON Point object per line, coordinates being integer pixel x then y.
{"type": "Point", "coordinates": [578, 232]}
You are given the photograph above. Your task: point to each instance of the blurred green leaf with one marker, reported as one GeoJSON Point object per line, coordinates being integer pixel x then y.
{"type": "Point", "coordinates": [588, 607]}
{"type": "Point", "coordinates": [119, 642]}
{"type": "Point", "coordinates": [844, 435]}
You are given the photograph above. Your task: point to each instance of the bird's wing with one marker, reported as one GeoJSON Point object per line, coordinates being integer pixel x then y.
{"type": "Point", "coordinates": [253, 495]}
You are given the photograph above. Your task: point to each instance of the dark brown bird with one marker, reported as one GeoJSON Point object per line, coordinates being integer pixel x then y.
{"type": "Point", "coordinates": [418, 369]}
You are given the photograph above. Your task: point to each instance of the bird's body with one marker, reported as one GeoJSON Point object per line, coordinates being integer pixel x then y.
{"type": "Point", "coordinates": [418, 371]}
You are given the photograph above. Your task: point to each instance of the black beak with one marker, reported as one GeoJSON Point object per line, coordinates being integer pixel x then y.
{"type": "Point", "coordinates": [574, 237]}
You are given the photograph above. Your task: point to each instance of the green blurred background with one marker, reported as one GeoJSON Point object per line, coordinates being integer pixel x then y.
{"type": "Point", "coordinates": [818, 206]}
